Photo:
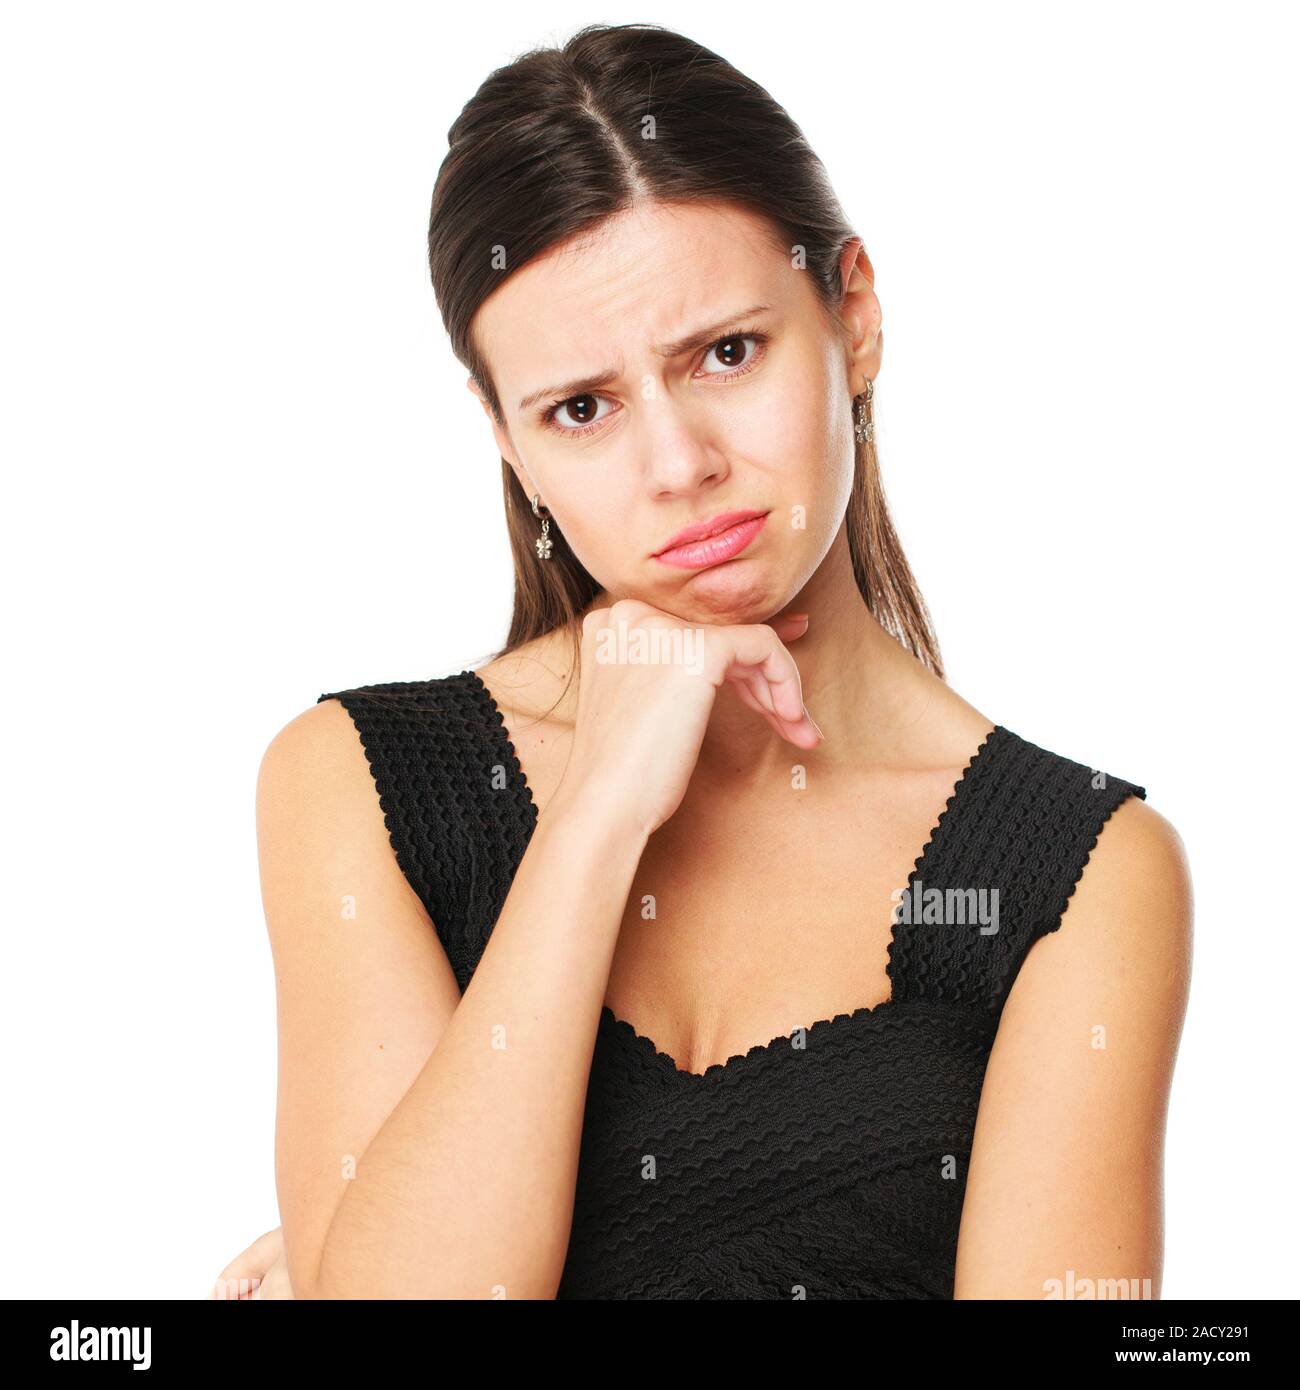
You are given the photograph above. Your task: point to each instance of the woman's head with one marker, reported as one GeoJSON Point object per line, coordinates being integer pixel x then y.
{"type": "Point", "coordinates": [600, 205]}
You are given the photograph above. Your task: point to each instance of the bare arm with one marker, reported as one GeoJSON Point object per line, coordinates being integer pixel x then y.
{"type": "Point", "coordinates": [1066, 1173]}
{"type": "Point", "coordinates": [426, 1144]}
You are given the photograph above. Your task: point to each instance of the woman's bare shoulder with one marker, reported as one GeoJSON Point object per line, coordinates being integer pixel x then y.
{"type": "Point", "coordinates": [322, 739]}
{"type": "Point", "coordinates": [320, 820]}
{"type": "Point", "coordinates": [315, 783]}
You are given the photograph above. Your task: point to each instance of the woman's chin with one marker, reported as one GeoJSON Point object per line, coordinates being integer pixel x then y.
{"type": "Point", "coordinates": [738, 591]}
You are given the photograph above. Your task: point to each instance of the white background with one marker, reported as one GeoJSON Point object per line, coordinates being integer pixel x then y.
{"type": "Point", "coordinates": [242, 468]}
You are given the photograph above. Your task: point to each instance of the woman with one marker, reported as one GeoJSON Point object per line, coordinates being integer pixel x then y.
{"type": "Point", "coordinates": [605, 970]}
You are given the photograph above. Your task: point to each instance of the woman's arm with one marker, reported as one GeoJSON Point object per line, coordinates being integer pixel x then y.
{"type": "Point", "coordinates": [1066, 1171]}
{"type": "Point", "coordinates": [426, 1144]}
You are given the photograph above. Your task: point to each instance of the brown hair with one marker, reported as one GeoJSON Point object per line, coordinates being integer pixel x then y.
{"type": "Point", "coordinates": [555, 143]}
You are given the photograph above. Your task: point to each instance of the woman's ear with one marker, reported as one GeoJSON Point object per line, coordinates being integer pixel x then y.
{"type": "Point", "coordinates": [861, 315]}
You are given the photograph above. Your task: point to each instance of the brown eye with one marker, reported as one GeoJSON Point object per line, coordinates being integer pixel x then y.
{"type": "Point", "coordinates": [730, 353]}
{"type": "Point", "coordinates": [575, 412]}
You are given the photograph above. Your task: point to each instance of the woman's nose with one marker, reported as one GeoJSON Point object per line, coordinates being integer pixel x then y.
{"type": "Point", "coordinates": [681, 456]}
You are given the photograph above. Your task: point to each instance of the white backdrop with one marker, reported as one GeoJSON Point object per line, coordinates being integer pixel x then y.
{"type": "Point", "coordinates": [242, 468]}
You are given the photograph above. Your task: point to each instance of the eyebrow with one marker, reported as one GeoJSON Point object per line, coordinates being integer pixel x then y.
{"type": "Point", "coordinates": [701, 337]}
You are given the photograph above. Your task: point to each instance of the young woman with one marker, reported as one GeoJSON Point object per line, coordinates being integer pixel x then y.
{"type": "Point", "coordinates": [684, 949]}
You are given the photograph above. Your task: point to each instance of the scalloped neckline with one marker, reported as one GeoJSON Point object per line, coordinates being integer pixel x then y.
{"type": "Point", "coordinates": [645, 1046]}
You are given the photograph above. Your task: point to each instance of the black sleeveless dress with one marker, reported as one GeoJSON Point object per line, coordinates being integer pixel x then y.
{"type": "Point", "coordinates": [827, 1164]}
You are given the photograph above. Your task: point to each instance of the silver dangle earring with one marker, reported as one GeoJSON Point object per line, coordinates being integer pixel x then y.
{"type": "Point", "coordinates": [543, 542]}
{"type": "Point", "coordinates": [864, 425]}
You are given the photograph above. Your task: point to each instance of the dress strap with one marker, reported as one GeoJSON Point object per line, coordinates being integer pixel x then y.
{"type": "Point", "coordinates": [458, 814]}
{"type": "Point", "coordinates": [999, 871]}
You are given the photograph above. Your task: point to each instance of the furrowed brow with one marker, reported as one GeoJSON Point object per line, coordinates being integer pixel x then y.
{"type": "Point", "coordinates": [701, 337]}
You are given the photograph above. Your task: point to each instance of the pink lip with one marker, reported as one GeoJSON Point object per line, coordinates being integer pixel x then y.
{"type": "Point", "coordinates": [713, 541]}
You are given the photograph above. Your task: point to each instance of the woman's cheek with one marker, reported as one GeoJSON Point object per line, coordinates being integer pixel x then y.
{"type": "Point", "coordinates": [779, 428]}
{"type": "Point", "coordinates": [602, 532]}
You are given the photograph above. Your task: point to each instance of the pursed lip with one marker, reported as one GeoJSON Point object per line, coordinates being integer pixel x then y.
{"type": "Point", "coordinates": [702, 530]}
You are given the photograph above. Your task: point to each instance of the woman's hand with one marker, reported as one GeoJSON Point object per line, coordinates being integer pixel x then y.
{"type": "Point", "coordinates": [258, 1272]}
{"type": "Point", "coordinates": [648, 683]}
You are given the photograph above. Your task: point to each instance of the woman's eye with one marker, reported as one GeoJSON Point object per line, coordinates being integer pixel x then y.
{"type": "Point", "coordinates": [577, 412]}
{"type": "Point", "coordinates": [728, 352]}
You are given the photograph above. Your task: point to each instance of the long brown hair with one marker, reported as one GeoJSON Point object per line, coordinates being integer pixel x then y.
{"type": "Point", "coordinates": [562, 139]}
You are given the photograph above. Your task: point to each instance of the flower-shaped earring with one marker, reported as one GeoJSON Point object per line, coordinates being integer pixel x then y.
{"type": "Point", "coordinates": [864, 425]}
{"type": "Point", "coordinates": [543, 541]}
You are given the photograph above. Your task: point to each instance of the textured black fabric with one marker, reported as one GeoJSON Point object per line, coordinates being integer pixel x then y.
{"type": "Point", "coordinates": [828, 1164]}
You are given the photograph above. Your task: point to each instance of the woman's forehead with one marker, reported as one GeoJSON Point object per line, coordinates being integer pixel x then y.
{"type": "Point", "coordinates": [646, 279]}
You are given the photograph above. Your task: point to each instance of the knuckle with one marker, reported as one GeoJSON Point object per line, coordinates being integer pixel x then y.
{"type": "Point", "coordinates": [633, 613]}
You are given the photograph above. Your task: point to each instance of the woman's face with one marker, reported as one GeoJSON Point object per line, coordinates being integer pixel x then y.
{"type": "Point", "coordinates": [676, 372]}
